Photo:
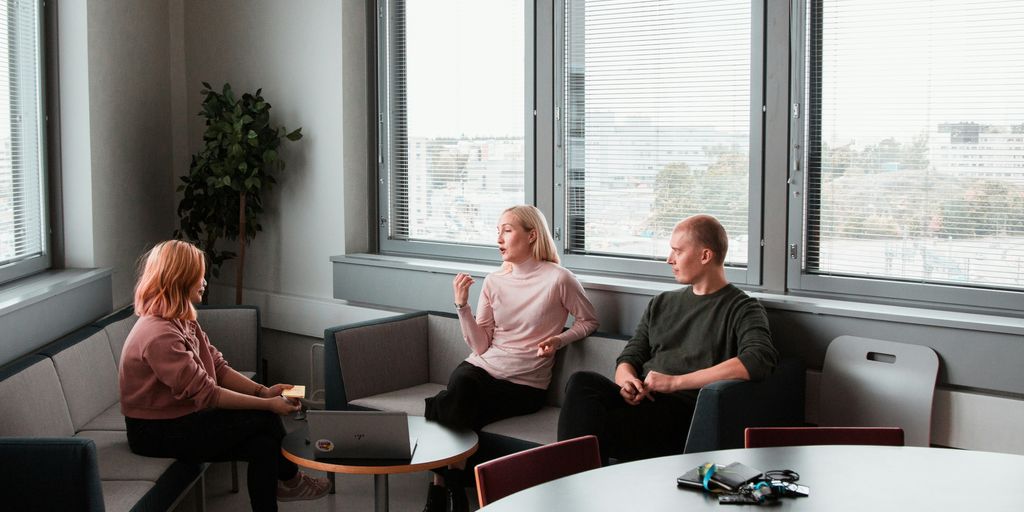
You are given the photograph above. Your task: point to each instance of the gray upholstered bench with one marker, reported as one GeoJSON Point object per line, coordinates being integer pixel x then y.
{"type": "Point", "coordinates": [395, 363]}
{"type": "Point", "coordinates": [62, 435]}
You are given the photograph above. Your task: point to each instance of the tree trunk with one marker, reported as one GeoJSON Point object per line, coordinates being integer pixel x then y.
{"type": "Point", "coordinates": [241, 247]}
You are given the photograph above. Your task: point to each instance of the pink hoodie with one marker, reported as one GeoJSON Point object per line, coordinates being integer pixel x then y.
{"type": "Point", "coordinates": [168, 369]}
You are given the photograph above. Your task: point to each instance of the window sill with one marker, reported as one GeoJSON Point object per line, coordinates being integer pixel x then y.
{"type": "Point", "coordinates": [634, 286]}
{"type": "Point", "coordinates": [36, 288]}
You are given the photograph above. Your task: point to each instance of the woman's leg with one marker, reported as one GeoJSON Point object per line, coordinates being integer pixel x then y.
{"type": "Point", "coordinates": [218, 435]}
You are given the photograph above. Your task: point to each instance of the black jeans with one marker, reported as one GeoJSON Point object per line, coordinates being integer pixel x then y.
{"type": "Point", "coordinates": [593, 405]}
{"type": "Point", "coordinates": [474, 398]}
{"type": "Point", "coordinates": [219, 435]}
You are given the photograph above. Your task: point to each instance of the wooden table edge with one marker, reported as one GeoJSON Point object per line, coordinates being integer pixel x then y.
{"type": "Point", "coordinates": [379, 470]}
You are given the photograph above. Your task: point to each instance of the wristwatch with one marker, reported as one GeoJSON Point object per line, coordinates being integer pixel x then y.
{"type": "Point", "coordinates": [459, 306]}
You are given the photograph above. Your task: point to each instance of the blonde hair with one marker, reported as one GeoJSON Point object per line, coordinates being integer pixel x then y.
{"type": "Point", "coordinates": [531, 219]}
{"type": "Point", "coordinates": [168, 274]}
{"type": "Point", "coordinates": [708, 233]}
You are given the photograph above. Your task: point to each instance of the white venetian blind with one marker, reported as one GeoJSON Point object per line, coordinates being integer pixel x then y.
{"type": "Point", "coordinates": [915, 141]}
{"type": "Point", "coordinates": [22, 226]}
{"type": "Point", "coordinates": [456, 86]}
{"type": "Point", "coordinates": [657, 122]}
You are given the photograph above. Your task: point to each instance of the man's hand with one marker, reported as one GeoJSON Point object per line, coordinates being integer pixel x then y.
{"type": "Point", "coordinates": [547, 347]}
{"type": "Point", "coordinates": [660, 383]}
{"type": "Point", "coordinates": [631, 388]}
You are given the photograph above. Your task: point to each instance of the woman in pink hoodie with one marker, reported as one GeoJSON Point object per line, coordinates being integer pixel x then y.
{"type": "Point", "coordinates": [182, 400]}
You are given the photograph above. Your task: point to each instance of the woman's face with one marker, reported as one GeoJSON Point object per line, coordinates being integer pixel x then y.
{"type": "Point", "coordinates": [514, 242]}
{"type": "Point", "coordinates": [196, 294]}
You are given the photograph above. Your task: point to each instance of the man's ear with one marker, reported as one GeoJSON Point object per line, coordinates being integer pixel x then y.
{"type": "Point", "coordinates": [707, 256]}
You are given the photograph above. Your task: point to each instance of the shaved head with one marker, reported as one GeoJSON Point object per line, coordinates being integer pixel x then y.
{"type": "Point", "coordinates": [707, 232]}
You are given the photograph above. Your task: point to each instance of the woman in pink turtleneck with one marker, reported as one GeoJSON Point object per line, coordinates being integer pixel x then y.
{"type": "Point", "coordinates": [518, 327]}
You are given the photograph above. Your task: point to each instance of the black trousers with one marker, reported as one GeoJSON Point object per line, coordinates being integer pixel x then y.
{"type": "Point", "coordinates": [625, 432]}
{"type": "Point", "coordinates": [219, 435]}
{"type": "Point", "coordinates": [474, 398]}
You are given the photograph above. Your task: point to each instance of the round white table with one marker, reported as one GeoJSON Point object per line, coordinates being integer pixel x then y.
{"type": "Point", "coordinates": [437, 446]}
{"type": "Point", "coordinates": [840, 478]}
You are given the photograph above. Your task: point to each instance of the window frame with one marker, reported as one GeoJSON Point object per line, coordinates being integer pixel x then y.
{"type": "Point", "coordinates": [429, 249]}
{"type": "Point", "coordinates": [973, 298]}
{"type": "Point", "coordinates": [35, 264]}
{"type": "Point", "coordinates": [621, 265]}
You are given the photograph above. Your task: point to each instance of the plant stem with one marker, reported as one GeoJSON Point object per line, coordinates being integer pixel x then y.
{"type": "Point", "coordinates": [241, 247]}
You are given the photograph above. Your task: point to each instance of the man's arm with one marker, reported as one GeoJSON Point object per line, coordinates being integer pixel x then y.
{"type": "Point", "coordinates": [729, 369]}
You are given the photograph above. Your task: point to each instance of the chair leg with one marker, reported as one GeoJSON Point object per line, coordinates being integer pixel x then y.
{"type": "Point", "coordinates": [234, 476]}
{"type": "Point", "coordinates": [201, 493]}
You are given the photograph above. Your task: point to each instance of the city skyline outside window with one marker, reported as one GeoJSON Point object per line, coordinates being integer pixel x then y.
{"type": "Point", "coordinates": [915, 141]}
{"type": "Point", "coordinates": [459, 156]}
{"type": "Point", "coordinates": [658, 124]}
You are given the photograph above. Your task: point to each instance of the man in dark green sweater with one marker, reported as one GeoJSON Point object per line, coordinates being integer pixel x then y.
{"type": "Point", "coordinates": [687, 338]}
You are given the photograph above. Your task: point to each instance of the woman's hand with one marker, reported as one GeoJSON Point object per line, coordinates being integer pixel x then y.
{"type": "Point", "coordinates": [460, 287]}
{"type": "Point", "coordinates": [283, 406]}
{"type": "Point", "coordinates": [274, 390]}
{"type": "Point", "coordinates": [548, 347]}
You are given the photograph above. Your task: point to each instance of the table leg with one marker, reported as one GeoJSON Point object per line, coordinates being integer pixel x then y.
{"type": "Point", "coordinates": [330, 478]}
{"type": "Point", "coordinates": [380, 493]}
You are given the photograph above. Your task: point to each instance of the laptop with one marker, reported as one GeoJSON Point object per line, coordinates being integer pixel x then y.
{"type": "Point", "coordinates": [359, 435]}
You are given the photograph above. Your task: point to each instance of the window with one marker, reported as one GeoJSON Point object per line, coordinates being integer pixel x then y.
{"type": "Point", "coordinates": [454, 147]}
{"type": "Point", "coordinates": [657, 126]}
{"type": "Point", "coordinates": [913, 174]}
{"type": "Point", "coordinates": [23, 225]}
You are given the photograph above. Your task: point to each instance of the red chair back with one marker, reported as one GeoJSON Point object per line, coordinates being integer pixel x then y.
{"type": "Point", "coordinates": [500, 477]}
{"type": "Point", "coordinates": [764, 437]}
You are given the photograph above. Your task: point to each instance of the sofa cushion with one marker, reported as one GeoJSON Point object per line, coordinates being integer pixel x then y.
{"type": "Point", "coordinates": [33, 403]}
{"type": "Point", "coordinates": [540, 427]}
{"type": "Point", "coordinates": [88, 376]}
{"type": "Point", "coordinates": [445, 345]}
{"type": "Point", "coordinates": [235, 332]}
{"type": "Point", "coordinates": [596, 353]}
{"type": "Point", "coordinates": [117, 332]}
{"type": "Point", "coordinates": [110, 419]}
{"type": "Point", "coordinates": [408, 400]}
{"type": "Point", "coordinates": [117, 462]}
{"type": "Point", "coordinates": [398, 350]}
{"type": "Point", "coordinates": [122, 495]}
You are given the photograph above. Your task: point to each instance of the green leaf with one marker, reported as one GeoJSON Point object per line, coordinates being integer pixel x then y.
{"type": "Point", "coordinates": [295, 135]}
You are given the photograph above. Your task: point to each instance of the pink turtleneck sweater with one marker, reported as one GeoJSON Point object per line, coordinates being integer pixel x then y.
{"type": "Point", "coordinates": [518, 310]}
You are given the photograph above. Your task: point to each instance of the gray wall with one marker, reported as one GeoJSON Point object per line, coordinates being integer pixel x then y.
{"type": "Point", "coordinates": [115, 113]}
{"type": "Point", "coordinates": [310, 62]}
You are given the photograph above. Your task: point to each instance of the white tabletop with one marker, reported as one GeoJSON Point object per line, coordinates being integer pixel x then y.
{"type": "Point", "coordinates": [854, 478]}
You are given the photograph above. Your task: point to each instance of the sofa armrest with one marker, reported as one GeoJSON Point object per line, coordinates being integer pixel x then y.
{"type": "Point", "coordinates": [727, 407]}
{"type": "Point", "coordinates": [373, 357]}
{"type": "Point", "coordinates": [31, 466]}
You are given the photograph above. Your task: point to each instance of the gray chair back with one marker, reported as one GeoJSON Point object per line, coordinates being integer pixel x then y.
{"type": "Point", "coordinates": [876, 383]}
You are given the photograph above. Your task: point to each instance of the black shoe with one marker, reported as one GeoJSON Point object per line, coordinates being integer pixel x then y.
{"type": "Point", "coordinates": [437, 499]}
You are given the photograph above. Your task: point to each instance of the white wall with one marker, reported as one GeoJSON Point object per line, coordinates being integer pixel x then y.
{"type": "Point", "coordinates": [309, 59]}
{"type": "Point", "coordinates": [115, 118]}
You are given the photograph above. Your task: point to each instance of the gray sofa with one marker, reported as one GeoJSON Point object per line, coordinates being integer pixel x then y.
{"type": "Point", "coordinates": [395, 363]}
{"type": "Point", "coordinates": [62, 435]}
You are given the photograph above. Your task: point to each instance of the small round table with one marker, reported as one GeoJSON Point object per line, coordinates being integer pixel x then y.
{"type": "Point", "coordinates": [436, 446]}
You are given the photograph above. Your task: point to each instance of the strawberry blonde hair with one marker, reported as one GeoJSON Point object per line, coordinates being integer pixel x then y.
{"type": "Point", "coordinates": [169, 272]}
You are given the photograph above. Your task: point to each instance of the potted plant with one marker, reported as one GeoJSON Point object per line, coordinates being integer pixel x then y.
{"type": "Point", "coordinates": [222, 195]}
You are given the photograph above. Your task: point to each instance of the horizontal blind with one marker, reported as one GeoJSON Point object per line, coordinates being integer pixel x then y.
{"type": "Point", "coordinates": [456, 131]}
{"type": "Point", "coordinates": [657, 124]}
{"type": "Point", "coordinates": [915, 141]}
{"type": "Point", "coordinates": [21, 190]}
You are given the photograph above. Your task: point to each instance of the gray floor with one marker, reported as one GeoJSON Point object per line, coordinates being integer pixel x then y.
{"type": "Point", "coordinates": [407, 492]}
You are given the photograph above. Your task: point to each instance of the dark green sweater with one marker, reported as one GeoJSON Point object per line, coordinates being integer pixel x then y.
{"type": "Point", "coordinates": [681, 332]}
